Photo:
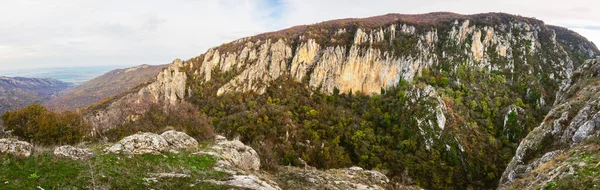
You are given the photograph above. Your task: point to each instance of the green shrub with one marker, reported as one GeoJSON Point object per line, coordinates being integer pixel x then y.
{"type": "Point", "coordinates": [38, 125]}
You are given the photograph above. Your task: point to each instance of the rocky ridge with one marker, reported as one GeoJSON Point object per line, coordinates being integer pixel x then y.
{"type": "Point", "coordinates": [571, 125]}
{"type": "Point", "coordinates": [112, 83]}
{"type": "Point", "coordinates": [362, 66]}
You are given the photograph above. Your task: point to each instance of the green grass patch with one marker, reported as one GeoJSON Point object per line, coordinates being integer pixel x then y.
{"type": "Point", "coordinates": [108, 171]}
{"type": "Point", "coordinates": [586, 176]}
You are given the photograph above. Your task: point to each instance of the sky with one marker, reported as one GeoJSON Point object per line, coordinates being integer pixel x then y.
{"type": "Point", "coordinates": [79, 33]}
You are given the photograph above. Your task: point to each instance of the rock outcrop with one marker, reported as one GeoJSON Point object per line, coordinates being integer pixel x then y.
{"type": "Point", "coordinates": [15, 147]}
{"type": "Point", "coordinates": [150, 143]}
{"type": "Point", "coordinates": [360, 65]}
{"type": "Point", "coordinates": [141, 143]}
{"type": "Point", "coordinates": [170, 84]}
{"type": "Point", "coordinates": [179, 140]}
{"type": "Point", "coordinates": [241, 162]}
{"type": "Point", "coordinates": [71, 152]}
{"type": "Point", "coordinates": [235, 153]}
{"type": "Point", "coordinates": [575, 119]}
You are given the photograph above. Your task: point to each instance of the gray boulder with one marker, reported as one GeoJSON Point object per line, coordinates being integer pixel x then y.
{"type": "Point", "coordinates": [240, 161]}
{"type": "Point", "coordinates": [179, 140]}
{"type": "Point", "coordinates": [141, 143]}
{"type": "Point", "coordinates": [235, 153]}
{"type": "Point", "coordinates": [15, 147]}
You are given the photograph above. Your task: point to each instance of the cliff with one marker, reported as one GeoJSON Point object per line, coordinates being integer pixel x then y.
{"type": "Point", "coordinates": [345, 55]}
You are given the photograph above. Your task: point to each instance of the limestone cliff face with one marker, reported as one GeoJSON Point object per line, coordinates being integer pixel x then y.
{"type": "Point", "coordinates": [169, 85]}
{"type": "Point", "coordinates": [573, 120]}
{"type": "Point", "coordinates": [375, 58]}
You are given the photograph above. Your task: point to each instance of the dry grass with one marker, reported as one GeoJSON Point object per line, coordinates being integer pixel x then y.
{"type": "Point", "coordinates": [545, 167]}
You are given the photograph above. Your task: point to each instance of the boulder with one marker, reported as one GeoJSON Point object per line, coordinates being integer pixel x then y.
{"type": "Point", "coordinates": [586, 129]}
{"type": "Point", "coordinates": [238, 154]}
{"type": "Point", "coordinates": [15, 147]}
{"type": "Point", "coordinates": [141, 143]}
{"type": "Point", "coordinates": [179, 140]}
{"type": "Point", "coordinates": [73, 153]}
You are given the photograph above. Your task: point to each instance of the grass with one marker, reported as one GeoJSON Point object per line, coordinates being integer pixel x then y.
{"type": "Point", "coordinates": [108, 171]}
{"type": "Point", "coordinates": [586, 163]}
{"type": "Point", "coordinates": [586, 176]}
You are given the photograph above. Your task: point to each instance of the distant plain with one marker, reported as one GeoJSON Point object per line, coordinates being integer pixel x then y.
{"type": "Point", "coordinates": [73, 75]}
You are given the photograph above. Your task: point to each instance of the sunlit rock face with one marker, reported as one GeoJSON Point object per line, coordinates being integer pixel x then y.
{"type": "Point", "coordinates": [371, 59]}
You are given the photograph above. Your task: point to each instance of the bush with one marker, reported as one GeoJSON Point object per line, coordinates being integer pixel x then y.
{"type": "Point", "coordinates": [38, 125]}
{"type": "Point", "coordinates": [444, 81]}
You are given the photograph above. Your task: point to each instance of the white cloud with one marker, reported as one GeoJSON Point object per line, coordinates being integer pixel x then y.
{"type": "Point", "coordinates": [77, 33]}
{"type": "Point", "coordinates": [37, 33]}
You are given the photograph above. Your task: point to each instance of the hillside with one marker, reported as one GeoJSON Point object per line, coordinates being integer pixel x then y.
{"type": "Point", "coordinates": [19, 92]}
{"type": "Point", "coordinates": [562, 152]}
{"type": "Point", "coordinates": [439, 100]}
{"type": "Point", "coordinates": [109, 84]}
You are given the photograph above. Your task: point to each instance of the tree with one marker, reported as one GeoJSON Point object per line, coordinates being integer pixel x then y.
{"type": "Point", "coordinates": [520, 103]}
{"type": "Point", "coordinates": [473, 105]}
{"type": "Point", "coordinates": [336, 91]}
{"type": "Point", "coordinates": [444, 82]}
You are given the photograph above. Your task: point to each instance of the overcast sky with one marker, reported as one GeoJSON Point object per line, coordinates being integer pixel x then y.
{"type": "Point", "coordinates": [63, 33]}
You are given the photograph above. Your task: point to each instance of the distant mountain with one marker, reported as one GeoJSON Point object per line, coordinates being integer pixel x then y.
{"type": "Point", "coordinates": [109, 84]}
{"type": "Point", "coordinates": [19, 92]}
